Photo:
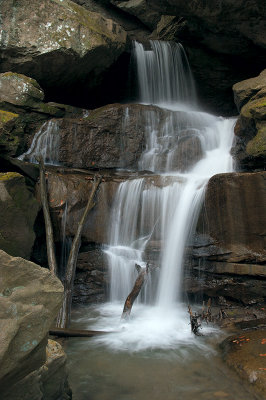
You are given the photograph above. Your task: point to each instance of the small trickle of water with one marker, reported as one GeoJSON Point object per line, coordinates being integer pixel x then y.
{"type": "Point", "coordinates": [45, 144]}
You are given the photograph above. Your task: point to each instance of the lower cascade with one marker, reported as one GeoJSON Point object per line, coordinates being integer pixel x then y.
{"type": "Point", "coordinates": [183, 150]}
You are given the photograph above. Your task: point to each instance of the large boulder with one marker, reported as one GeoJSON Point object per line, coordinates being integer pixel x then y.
{"type": "Point", "coordinates": [18, 211]}
{"type": "Point", "coordinates": [250, 146]}
{"type": "Point", "coordinates": [30, 299]}
{"type": "Point", "coordinates": [58, 42]}
{"type": "Point", "coordinates": [49, 382]}
{"type": "Point", "coordinates": [19, 90]}
{"type": "Point", "coordinates": [233, 222]}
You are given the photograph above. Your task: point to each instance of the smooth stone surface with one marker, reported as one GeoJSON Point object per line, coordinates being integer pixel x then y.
{"type": "Point", "coordinates": [246, 353]}
{"type": "Point", "coordinates": [30, 298]}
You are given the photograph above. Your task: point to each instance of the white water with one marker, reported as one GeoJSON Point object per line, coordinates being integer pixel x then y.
{"type": "Point", "coordinates": [184, 148]}
{"type": "Point", "coordinates": [45, 144]}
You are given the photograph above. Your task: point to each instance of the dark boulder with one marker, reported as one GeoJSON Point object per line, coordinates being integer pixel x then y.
{"type": "Point", "coordinates": [250, 145]}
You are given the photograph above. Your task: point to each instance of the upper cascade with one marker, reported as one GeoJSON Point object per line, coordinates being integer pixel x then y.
{"type": "Point", "coordinates": [164, 75]}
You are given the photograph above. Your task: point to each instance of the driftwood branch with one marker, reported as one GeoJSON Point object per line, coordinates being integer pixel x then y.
{"type": "Point", "coordinates": [47, 219]}
{"type": "Point", "coordinates": [205, 316]}
{"type": "Point", "coordinates": [64, 313]}
{"type": "Point", "coordinates": [195, 325]}
{"type": "Point", "coordinates": [141, 279]}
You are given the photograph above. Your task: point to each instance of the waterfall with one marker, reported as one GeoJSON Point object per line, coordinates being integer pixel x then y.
{"type": "Point", "coordinates": [184, 148]}
{"type": "Point", "coordinates": [164, 74]}
{"type": "Point", "coordinates": [45, 144]}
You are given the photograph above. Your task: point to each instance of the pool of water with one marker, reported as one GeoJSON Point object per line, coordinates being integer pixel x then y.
{"type": "Point", "coordinates": [116, 367]}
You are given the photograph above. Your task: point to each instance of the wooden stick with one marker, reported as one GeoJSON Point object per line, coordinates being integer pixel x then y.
{"type": "Point", "coordinates": [63, 332]}
{"type": "Point", "coordinates": [47, 219]}
{"type": "Point", "coordinates": [64, 313]}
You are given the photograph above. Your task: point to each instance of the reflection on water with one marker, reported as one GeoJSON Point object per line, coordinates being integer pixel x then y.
{"type": "Point", "coordinates": [190, 369]}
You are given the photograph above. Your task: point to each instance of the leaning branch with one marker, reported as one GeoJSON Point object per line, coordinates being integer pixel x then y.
{"type": "Point", "coordinates": [64, 313]}
{"type": "Point", "coordinates": [47, 219]}
{"type": "Point", "coordinates": [141, 279]}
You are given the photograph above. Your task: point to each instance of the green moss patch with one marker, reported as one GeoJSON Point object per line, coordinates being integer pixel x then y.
{"type": "Point", "coordinates": [6, 176]}
{"type": "Point", "coordinates": [257, 146]}
{"type": "Point", "coordinates": [6, 116]}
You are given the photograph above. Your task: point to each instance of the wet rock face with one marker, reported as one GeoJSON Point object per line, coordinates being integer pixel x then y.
{"type": "Point", "coordinates": [74, 189]}
{"type": "Point", "coordinates": [250, 147]}
{"type": "Point", "coordinates": [119, 136]}
{"type": "Point", "coordinates": [58, 42]}
{"type": "Point", "coordinates": [103, 139]}
{"type": "Point", "coordinates": [91, 277]}
{"type": "Point", "coordinates": [30, 299]}
{"type": "Point", "coordinates": [18, 211]}
{"type": "Point", "coordinates": [233, 219]}
{"type": "Point", "coordinates": [245, 353]}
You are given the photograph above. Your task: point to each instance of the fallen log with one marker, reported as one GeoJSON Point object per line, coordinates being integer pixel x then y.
{"type": "Point", "coordinates": [141, 279]}
{"type": "Point", "coordinates": [63, 332]}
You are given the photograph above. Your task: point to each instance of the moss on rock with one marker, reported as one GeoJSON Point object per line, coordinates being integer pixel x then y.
{"type": "Point", "coordinates": [257, 146]}
{"type": "Point", "coordinates": [6, 116]}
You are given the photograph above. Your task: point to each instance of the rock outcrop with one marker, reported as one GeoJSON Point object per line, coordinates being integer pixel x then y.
{"type": "Point", "coordinates": [30, 299]}
{"type": "Point", "coordinates": [49, 382]}
{"type": "Point", "coordinates": [228, 255]}
{"type": "Point", "coordinates": [19, 90]}
{"type": "Point", "coordinates": [226, 26]}
{"type": "Point", "coordinates": [250, 147]}
{"type": "Point", "coordinates": [141, 10]}
{"type": "Point", "coordinates": [234, 219]}
{"type": "Point", "coordinates": [18, 211]}
{"type": "Point", "coordinates": [22, 112]}
{"type": "Point", "coordinates": [58, 42]}
{"type": "Point", "coordinates": [119, 136]}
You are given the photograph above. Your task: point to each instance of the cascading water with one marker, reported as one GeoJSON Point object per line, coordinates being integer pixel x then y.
{"type": "Point", "coordinates": [45, 144]}
{"type": "Point", "coordinates": [184, 148]}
